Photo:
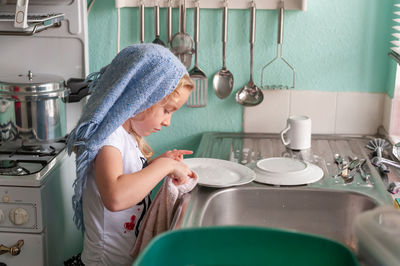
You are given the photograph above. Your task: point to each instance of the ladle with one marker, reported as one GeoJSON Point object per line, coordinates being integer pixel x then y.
{"type": "Point", "coordinates": [223, 79]}
{"type": "Point", "coordinates": [250, 95]}
{"type": "Point", "coordinates": [157, 40]}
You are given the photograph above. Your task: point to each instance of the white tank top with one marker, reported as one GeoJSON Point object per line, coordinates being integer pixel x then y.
{"type": "Point", "coordinates": [109, 236]}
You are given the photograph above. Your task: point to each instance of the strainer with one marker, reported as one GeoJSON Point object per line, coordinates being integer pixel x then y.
{"type": "Point", "coordinates": [182, 43]}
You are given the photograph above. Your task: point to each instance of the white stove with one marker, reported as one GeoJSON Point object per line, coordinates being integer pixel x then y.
{"type": "Point", "coordinates": [36, 216]}
{"type": "Point", "coordinates": [30, 163]}
{"type": "Point", "coordinates": [35, 206]}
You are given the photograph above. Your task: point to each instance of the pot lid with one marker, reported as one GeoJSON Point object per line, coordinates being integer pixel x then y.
{"type": "Point", "coordinates": [31, 83]}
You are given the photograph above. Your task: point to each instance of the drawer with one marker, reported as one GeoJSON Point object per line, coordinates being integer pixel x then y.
{"type": "Point", "coordinates": [32, 251]}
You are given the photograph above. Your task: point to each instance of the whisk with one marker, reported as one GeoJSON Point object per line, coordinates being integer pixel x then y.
{"type": "Point", "coordinates": [279, 53]}
{"type": "Point", "coordinates": [378, 145]}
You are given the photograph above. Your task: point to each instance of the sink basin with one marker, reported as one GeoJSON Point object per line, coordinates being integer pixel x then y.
{"type": "Point", "coordinates": [326, 212]}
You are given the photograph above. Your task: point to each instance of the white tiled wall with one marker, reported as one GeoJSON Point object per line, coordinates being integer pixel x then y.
{"type": "Point", "coordinates": [330, 112]}
{"type": "Point", "coordinates": [391, 115]}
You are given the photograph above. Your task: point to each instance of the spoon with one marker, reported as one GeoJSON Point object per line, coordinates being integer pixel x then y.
{"type": "Point", "coordinates": [223, 79]}
{"type": "Point", "coordinates": [360, 169]}
{"type": "Point", "coordinates": [157, 40]}
{"type": "Point", "coordinates": [339, 161]}
{"type": "Point", "coordinates": [354, 163]}
{"type": "Point", "coordinates": [250, 94]}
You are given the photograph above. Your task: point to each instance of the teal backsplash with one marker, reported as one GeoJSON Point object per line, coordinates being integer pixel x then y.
{"type": "Point", "coordinates": [339, 45]}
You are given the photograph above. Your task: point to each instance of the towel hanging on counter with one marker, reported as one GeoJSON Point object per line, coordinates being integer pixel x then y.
{"type": "Point", "coordinates": [158, 218]}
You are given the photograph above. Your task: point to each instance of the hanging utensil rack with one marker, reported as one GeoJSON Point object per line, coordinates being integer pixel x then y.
{"type": "Point", "coordinates": [233, 4]}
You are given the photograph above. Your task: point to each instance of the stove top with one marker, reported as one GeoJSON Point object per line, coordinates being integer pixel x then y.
{"type": "Point", "coordinates": [18, 158]}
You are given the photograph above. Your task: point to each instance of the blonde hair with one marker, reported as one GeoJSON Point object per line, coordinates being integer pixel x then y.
{"type": "Point", "coordinates": [185, 83]}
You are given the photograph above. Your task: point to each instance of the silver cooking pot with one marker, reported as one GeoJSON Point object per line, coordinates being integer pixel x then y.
{"type": "Point", "coordinates": [33, 106]}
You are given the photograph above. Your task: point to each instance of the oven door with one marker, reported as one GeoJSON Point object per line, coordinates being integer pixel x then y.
{"type": "Point", "coordinates": [31, 253]}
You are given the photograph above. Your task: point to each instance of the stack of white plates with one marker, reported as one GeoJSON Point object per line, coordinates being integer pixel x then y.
{"type": "Point", "coordinates": [286, 171]}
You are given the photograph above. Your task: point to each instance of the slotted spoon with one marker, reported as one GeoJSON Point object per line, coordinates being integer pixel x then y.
{"type": "Point", "coordinates": [198, 97]}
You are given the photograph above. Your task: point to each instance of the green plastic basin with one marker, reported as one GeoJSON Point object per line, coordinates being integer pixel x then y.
{"type": "Point", "coordinates": [242, 245]}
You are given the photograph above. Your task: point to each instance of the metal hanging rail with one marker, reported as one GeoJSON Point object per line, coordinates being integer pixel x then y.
{"type": "Point", "coordinates": [233, 4]}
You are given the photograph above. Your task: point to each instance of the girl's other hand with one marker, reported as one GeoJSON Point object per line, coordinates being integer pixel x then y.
{"type": "Point", "coordinates": [180, 174]}
{"type": "Point", "coordinates": [176, 155]}
{"type": "Point", "coordinates": [177, 180]}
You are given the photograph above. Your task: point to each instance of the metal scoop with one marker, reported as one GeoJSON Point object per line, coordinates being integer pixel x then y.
{"type": "Point", "coordinates": [250, 95]}
{"type": "Point", "coordinates": [223, 79]}
{"type": "Point", "coordinates": [279, 54]}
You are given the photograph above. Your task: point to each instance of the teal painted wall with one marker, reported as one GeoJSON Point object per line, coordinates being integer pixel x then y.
{"type": "Point", "coordinates": [336, 45]}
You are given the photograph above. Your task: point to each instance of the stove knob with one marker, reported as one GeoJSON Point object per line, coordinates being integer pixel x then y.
{"type": "Point", "coordinates": [19, 216]}
{"type": "Point", "coordinates": [1, 217]}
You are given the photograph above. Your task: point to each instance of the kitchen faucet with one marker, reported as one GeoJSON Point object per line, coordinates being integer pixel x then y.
{"type": "Point", "coordinates": [378, 161]}
{"type": "Point", "coordinates": [378, 145]}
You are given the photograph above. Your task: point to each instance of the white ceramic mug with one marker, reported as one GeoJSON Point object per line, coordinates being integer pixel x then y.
{"type": "Point", "coordinates": [298, 133]}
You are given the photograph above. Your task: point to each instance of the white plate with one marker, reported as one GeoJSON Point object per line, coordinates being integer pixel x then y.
{"type": "Point", "coordinates": [220, 173]}
{"type": "Point", "coordinates": [287, 172]}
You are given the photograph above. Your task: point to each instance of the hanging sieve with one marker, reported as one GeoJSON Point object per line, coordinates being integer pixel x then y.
{"type": "Point", "coordinates": [182, 43]}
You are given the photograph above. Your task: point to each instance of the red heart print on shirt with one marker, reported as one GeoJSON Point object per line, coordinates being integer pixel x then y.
{"type": "Point", "coordinates": [129, 226]}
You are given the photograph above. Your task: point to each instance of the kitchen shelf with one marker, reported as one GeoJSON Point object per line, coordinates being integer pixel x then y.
{"type": "Point", "coordinates": [36, 23]}
{"type": "Point", "coordinates": [232, 4]}
{"type": "Point", "coordinates": [42, 15]}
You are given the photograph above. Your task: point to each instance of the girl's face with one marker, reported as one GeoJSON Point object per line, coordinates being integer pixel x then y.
{"type": "Point", "coordinates": [146, 123]}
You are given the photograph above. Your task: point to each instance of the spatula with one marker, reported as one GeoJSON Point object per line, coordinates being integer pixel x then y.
{"type": "Point", "coordinates": [198, 97]}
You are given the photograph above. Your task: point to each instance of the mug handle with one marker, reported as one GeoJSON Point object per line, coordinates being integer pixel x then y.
{"type": "Point", "coordinates": [283, 132]}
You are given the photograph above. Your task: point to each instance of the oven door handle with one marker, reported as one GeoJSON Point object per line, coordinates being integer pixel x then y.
{"type": "Point", "coordinates": [13, 250]}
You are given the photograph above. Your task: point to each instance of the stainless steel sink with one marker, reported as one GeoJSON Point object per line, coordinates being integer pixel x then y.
{"type": "Point", "coordinates": [327, 207]}
{"type": "Point", "coordinates": [326, 212]}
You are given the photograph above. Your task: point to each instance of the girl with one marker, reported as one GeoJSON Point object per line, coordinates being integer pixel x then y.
{"type": "Point", "coordinates": [132, 97]}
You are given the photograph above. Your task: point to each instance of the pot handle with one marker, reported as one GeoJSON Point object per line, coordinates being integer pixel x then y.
{"type": "Point", "coordinates": [79, 88]}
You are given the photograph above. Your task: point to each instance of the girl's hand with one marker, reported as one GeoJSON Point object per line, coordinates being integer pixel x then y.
{"type": "Point", "coordinates": [178, 171]}
{"type": "Point", "coordinates": [176, 155]}
{"type": "Point", "coordinates": [180, 174]}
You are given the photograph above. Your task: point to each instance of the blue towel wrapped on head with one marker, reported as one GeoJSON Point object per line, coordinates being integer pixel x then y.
{"type": "Point", "coordinates": [137, 78]}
